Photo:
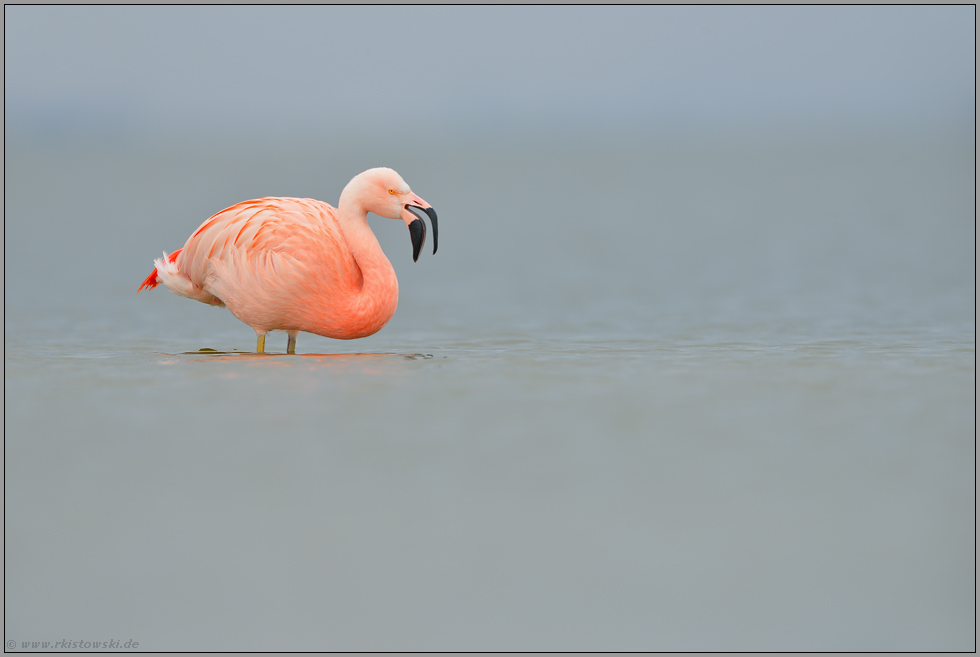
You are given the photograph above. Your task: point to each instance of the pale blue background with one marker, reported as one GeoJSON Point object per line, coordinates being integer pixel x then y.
{"type": "Point", "coordinates": [387, 70]}
{"type": "Point", "coordinates": [693, 369]}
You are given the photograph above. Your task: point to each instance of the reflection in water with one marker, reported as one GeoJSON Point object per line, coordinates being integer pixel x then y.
{"type": "Point", "coordinates": [327, 359]}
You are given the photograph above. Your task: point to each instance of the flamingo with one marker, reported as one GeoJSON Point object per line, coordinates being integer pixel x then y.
{"type": "Point", "coordinates": [297, 264]}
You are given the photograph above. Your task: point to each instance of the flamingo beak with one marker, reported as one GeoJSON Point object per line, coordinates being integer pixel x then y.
{"type": "Point", "coordinates": [417, 229]}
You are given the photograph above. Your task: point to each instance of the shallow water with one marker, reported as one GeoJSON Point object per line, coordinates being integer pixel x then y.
{"type": "Point", "coordinates": [727, 405]}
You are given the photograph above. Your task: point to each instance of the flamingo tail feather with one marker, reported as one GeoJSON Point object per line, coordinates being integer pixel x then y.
{"type": "Point", "coordinates": [153, 280]}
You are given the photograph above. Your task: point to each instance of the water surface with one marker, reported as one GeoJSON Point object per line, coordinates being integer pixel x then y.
{"type": "Point", "coordinates": [647, 396]}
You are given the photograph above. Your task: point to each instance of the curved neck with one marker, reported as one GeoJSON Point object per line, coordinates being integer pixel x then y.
{"type": "Point", "coordinates": [376, 298]}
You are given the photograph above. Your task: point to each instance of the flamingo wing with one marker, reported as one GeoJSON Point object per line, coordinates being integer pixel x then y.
{"type": "Point", "coordinates": [263, 258]}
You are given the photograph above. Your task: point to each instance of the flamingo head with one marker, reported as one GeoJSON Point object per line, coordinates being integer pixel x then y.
{"type": "Point", "coordinates": [383, 192]}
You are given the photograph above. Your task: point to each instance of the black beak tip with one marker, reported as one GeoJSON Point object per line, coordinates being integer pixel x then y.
{"type": "Point", "coordinates": [435, 228]}
{"type": "Point", "coordinates": [417, 230]}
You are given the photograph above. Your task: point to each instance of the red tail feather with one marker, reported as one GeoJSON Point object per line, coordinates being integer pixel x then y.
{"type": "Point", "coordinates": [152, 280]}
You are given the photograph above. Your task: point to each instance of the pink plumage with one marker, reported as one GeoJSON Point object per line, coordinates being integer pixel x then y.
{"type": "Point", "coordinates": [296, 264]}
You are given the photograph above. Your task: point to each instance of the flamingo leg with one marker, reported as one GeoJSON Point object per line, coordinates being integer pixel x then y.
{"type": "Point", "coordinates": [260, 344]}
{"type": "Point", "coordinates": [291, 342]}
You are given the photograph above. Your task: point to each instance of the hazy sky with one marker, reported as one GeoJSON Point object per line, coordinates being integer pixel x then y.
{"type": "Point", "coordinates": [405, 66]}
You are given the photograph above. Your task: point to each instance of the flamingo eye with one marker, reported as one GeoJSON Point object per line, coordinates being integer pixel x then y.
{"type": "Point", "coordinates": [392, 192]}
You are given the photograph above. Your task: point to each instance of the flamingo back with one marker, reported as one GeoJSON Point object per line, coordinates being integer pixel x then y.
{"type": "Point", "coordinates": [265, 259]}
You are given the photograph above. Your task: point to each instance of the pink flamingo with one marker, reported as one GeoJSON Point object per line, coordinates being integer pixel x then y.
{"type": "Point", "coordinates": [296, 264]}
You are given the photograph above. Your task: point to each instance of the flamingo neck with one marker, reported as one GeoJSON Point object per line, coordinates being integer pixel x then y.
{"type": "Point", "coordinates": [373, 302]}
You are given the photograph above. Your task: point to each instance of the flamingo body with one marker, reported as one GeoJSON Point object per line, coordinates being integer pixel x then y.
{"type": "Point", "coordinates": [297, 264]}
